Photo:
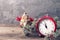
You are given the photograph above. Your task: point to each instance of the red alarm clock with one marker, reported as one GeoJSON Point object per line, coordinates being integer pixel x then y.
{"type": "Point", "coordinates": [46, 25]}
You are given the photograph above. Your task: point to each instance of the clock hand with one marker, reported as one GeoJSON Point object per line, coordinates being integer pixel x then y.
{"type": "Point", "coordinates": [45, 25]}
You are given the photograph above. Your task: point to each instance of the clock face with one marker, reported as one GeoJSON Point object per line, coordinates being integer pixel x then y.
{"type": "Point", "coordinates": [46, 26]}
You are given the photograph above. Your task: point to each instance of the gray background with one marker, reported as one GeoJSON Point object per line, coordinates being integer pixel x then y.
{"type": "Point", "coordinates": [10, 9]}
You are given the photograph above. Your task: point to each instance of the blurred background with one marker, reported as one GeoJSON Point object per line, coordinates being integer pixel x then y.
{"type": "Point", "coordinates": [10, 9]}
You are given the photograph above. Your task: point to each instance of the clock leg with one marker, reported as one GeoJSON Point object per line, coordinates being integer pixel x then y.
{"type": "Point", "coordinates": [51, 37]}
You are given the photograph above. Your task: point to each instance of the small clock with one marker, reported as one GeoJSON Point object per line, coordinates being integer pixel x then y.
{"type": "Point", "coordinates": [46, 25]}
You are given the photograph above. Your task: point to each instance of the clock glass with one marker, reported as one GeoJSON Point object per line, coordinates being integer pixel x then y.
{"type": "Point", "coordinates": [46, 27]}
